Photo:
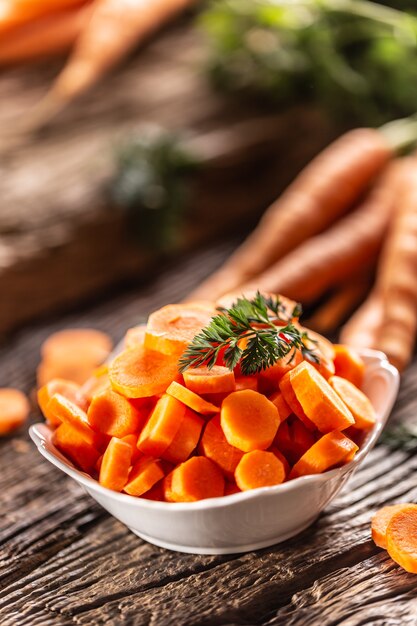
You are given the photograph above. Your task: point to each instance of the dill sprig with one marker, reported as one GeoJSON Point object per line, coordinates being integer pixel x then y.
{"type": "Point", "coordinates": [401, 436]}
{"type": "Point", "coordinates": [253, 332]}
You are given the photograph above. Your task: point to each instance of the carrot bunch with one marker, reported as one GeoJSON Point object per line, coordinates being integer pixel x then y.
{"type": "Point", "coordinates": [149, 431]}
{"type": "Point", "coordinates": [350, 214]}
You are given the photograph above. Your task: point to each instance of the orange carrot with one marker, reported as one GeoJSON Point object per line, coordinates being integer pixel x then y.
{"type": "Point", "coordinates": [14, 409]}
{"type": "Point", "coordinates": [143, 476]}
{"type": "Point", "coordinates": [282, 458]}
{"type": "Point", "coordinates": [156, 493]}
{"type": "Point", "coordinates": [348, 364]}
{"type": "Point", "coordinates": [231, 488]}
{"type": "Point", "coordinates": [87, 344]}
{"type": "Point", "coordinates": [319, 401]}
{"type": "Point", "coordinates": [323, 192]}
{"type": "Point", "coordinates": [112, 414]}
{"type": "Point", "coordinates": [186, 438]}
{"type": "Point", "coordinates": [270, 378]}
{"type": "Point", "coordinates": [291, 399]}
{"type": "Point", "coordinates": [115, 465]}
{"type": "Point", "coordinates": [259, 469]}
{"type": "Point", "coordinates": [293, 439]}
{"type": "Point", "coordinates": [332, 449]}
{"type": "Point", "coordinates": [215, 447]}
{"type": "Point", "coordinates": [140, 373]}
{"type": "Point", "coordinates": [202, 380]}
{"type": "Point", "coordinates": [132, 440]}
{"type": "Point", "coordinates": [17, 12]}
{"type": "Point", "coordinates": [362, 329]}
{"type": "Point", "coordinates": [249, 420]}
{"type": "Point", "coordinates": [196, 479]}
{"type": "Point", "coordinates": [173, 327]}
{"type": "Point", "coordinates": [70, 413]}
{"type": "Point", "coordinates": [284, 410]}
{"type": "Point", "coordinates": [135, 336]}
{"type": "Point", "coordinates": [381, 520]}
{"type": "Point", "coordinates": [74, 369]}
{"type": "Point", "coordinates": [356, 401]}
{"type": "Point", "coordinates": [339, 305]}
{"type": "Point", "coordinates": [96, 383]}
{"type": "Point", "coordinates": [66, 388]}
{"type": "Point", "coordinates": [162, 426]}
{"type": "Point", "coordinates": [191, 399]}
{"type": "Point", "coordinates": [67, 439]}
{"type": "Point", "coordinates": [246, 382]}
{"type": "Point", "coordinates": [402, 538]}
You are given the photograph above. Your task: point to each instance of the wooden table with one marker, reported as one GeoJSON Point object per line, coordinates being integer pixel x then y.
{"type": "Point", "coordinates": [64, 560]}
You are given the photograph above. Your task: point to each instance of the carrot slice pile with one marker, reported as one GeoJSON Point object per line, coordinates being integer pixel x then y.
{"type": "Point", "coordinates": [330, 450]}
{"type": "Point", "coordinates": [356, 401]}
{"type": "Point", "coordinates": [196, 479]}
{"type": "Point", "coordinates": [191, 399]}
{"type": "Point", "coordinates": [402, 538]}
{"type": "Point", "coordinates": [203, 380]}
{"type": "Point", "coordinates": [173, 327]}
{"type": "Point", "coordinates": [115, 465]}
{"type": "Point", "coordinates": [65, 388]}
{"type": "Point", "coordinates": [14, 409]}
{"type": "Point", "coordinates": [112, 414]}
{"type": "Point", "coordinates": [319, 401]}
{"type": "Point", "coordinates": [70, 413]}
{"type": "Point", "coordinates": [214, 446]}
{"type": "Point", "coordinates": [143, 476]}
{"type": "Point", "coordinates": [381, 520]}
{"type": "Point", "coordinates": [259, 469]}
{"type": "Point", "coordinates": [249, 420]}
{"type": "Point", "coordinates": [186, 438]}
{"type": "Point", "coordinates": [348, 364]}
{"type": "Point", "coordinates": [162, 426]}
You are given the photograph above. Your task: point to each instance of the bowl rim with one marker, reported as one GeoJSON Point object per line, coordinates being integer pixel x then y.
{"type": "Point", "coordinates": [41, 435]}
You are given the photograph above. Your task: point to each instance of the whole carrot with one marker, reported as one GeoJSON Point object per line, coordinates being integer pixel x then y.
{"type": "Point", "coordinates": [361, 330]}
{"type": "Point", "coordinates": [14, 13]}
{"type": "Point", "coordinates": [325, 190]}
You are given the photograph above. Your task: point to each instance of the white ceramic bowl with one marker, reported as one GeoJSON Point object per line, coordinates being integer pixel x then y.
{"type": "Point", "coordinates": [243, 521]}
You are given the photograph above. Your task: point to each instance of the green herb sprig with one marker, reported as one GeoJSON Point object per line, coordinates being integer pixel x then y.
{"type": "Point", "coordinates": [265, 323]}
{"type": "Point", "coordinates": [401, 436]}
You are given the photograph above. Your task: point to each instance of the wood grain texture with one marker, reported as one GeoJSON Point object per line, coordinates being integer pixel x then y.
{"type": "Point", "coordinates": [64, 561]}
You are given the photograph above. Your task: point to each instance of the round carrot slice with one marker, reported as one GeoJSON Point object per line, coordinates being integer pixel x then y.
{"type": "Point", "coordinates": [191, 399]}
{"type": "Point", "coordinates": [186, 439]}
{"type": "Point", "coordinates": [196, 479]}
{"type": "Point", "coordinates": [112, 414]}
{"type": "Point", "coordinates": [356, 401]}
{"type": "Point", "coordinates": [402, 538]}
{"type": "Point", "coordinates": [381, 520]}
{"type": "Point", "coordinates": [249, 420]}
{"type": "Point", "coordinates": [215, 447]}
{"type": "Point", "coordinates": [330, 450]}
{"type": "Point", "coordinates": [171, 329]}
{"type": "Point", "coordinates": [66, 388]}
{"type": "Point", "coordinates": [135, 336]}
{"type": "Point", "coordinates": [162, 426]}
{"type": "Point", "coordinates": [259, 469]}
{"type": "Point", "coordinates": [114, 469]}
{"type": "Point", "coordinates": [14, 409]}
{"type": "Point", "coordinates": [203, 380]}
{"type": "Point", "coordinates": [88, 344]}
{"type": "Point", "coordinates": [140, 373]}
{"type": "Point", "coordinates": [143, 476]}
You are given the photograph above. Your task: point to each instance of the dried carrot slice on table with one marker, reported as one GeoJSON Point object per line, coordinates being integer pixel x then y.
{"type": "Point", "coordinates": [162, 426]}
{"type": "Point", "coordinates": [115, 465]}
{"type": "Point", "coordinates": [215, 447]}
{"type": "Point", "coordinates": [191, 399]}
{"type": "Point", "coordinates": [112, 414]}
{"type": "Point", "coordinates": [402, 538]}
{"type": "Point", "coordinates": [186, 438]}
{"type": "Point", "coordinates": [14, 409]}
{"type": "Point", "coordinates": [66, 388]}
{"type": "Point", "coordinates": [203, 380]}
{"type": "Point", "coordinates": [330, 450]}
{"type": "Point", "coordinates": [381, 520]}
{"type": "Point", "coordinates": [356, 401]}
{"type": "Point", "coordinates": [143, 476]}
{"type": "Point", "coordinates": [196, 479]}
{"type": "Point", "coordinates": [259, 469]}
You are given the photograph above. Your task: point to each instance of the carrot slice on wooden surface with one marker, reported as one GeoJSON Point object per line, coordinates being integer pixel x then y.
{"type": "Point", "coordinates": [186, 439]}
{"type": "Point", "coordinates": [330, 450]}
{"type": "Point", "coordinates": [70, 413]}
{"type": "Point", "coordinates": [381, 520]}
{"type": "Point", "coordinates": [112, 414]}
{"type": "Point", "coordinates": [135, 336]}
{"type": "Point", "coordinates": [66, 388]}
{"type": "Point", "coordinates": [143, 476]}
{"type": "Point", "coordinates": [215, 447]}
{"type": "Point", "coordinates": [291, 399]}
{"type": "Point", "coordinates": [246, 382]}
{"type": "Point", "coordinates": [319, 401]}
{"type": "Point", "coordinates": [14, 409]}
{"type": "Point", "coordinates": [359, 405]}
{"type": "Point", "coordinates": [348, 364]}
{"type": "Point", "coordinates": [259, 468]}
{"type": "Point", "coordinates": [115, 465]}
{"type": "Point", "coordinates": [203, 380]}
{"type": "Point", "coordinates": [67, 439]}
{"type": "Point", "coordinates": [249, 420]}
{"type": "Point", "coordinates": [283, 409]}
{"type": "Point", "coordinates": [196, 479]}
{"type": "Point", "coordinates": [171, 329]}
{"type": "Point", "coordinates": [402, 538]}
{"type": "Point", "coordinates": [140, 373]}
{"type": "Point", "coordinates": [191, 399]}
{"type": "Point", "coordinates": [88, 344]}
{"type": "Point", "coordinates": [162, 426]}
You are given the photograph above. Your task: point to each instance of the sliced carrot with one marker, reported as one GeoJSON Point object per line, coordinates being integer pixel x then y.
{"type": "Point", "coordinates": [356, 401]}
{"type": "Point", "coordinates": [191, 399]}
{"type": "Point", "coordinates": [381, 520]}
{"type": "Point", "coordinates": [132, 440]}
{"type": "Point", "coordinates": [14, 409]}
{"type": "Point", "coordinates": [68, 412]}
{"type": "Point", "coordinates": [140, 373]}
{"type": "Point", "coordinates": [135, 336]}
{"type": "Point", "coordinates": [292, 401]}
{"type": "Point", "coordinates": [156, 493]}
{"type": "Point", "coordinates": [319, 401]}
{"type": "Point", "coordinates": [99, 461]}
{"type": "Point", "coordinates": [143, 476]}
{"type": "Point", "coordinates": [283, 409]}
{"type": "Point", "coordinates": [270, 378]}
{"type": "Point", "coordinates": [202, 380]}
{"type": "Point", "coordinates": [325, 367]}
{"type": "Point", "coordinates": [259, 469]}
{"type": "Point", "coordinates": [293, 439]}
{"type": "Point", "coordinates": [246, 382]}
{"type": "Point", "coordinates": [402, 538]}
{"type": "Point", "coordinates": [215, 398]}
{"type": "Point", "coordinates": [215, 447]}
{"type": "Point", "coordinates": [89, 345]}
{"type": "Point", "coordinates": [348, 364]}
{"type": "Point", "coordinates": [196, 479]}
{"type": "Point", "coordinates": [186, 439]}
{"type": "Point", "coordinates": [96, 383]}
{"type": "Point", "coordinates": [330, 450]}
{"type": "Point", "coordinates": [162, 426]}
{"type": "Point", "coordinates": [66, 388]}
{"type": "Point", "coordinates": [282, 458]}
{"type": "Point", "coordinates": [67, 439]}
{"type": "Point", "coordinates": [231, 488]}
{"type": "Point", "coordinates": [112, 414]}
{"type": "Point", "coordinates": [249, 420]}
{"type": "Point", "coordinates": [171, 329]}
{"type": "Point", "coordinates": [115, 465]}
{"type": "Point", "coordinates": [167, 488]}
